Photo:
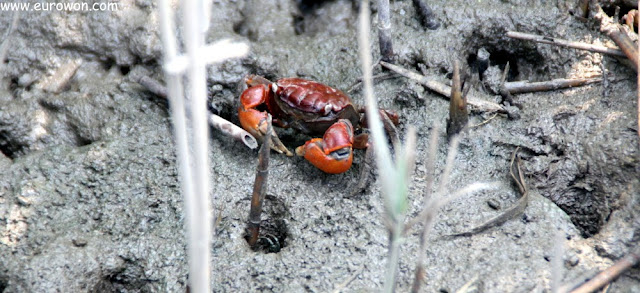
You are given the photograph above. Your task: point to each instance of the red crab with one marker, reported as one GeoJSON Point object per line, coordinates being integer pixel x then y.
{"type": "Point", "coordinates": [312, 108]}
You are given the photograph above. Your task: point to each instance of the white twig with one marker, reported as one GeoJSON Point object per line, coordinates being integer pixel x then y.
{"type": "Point", "coordinates": [194, 171]}
{"type": "Point", "coordinates": [176, 100]}
{"type": "Point", "coordinates": [198, 207]}
{"type": "Point", "coordinates": [233, 130]}
{"type": "Point", "coordinates": [209, 54]}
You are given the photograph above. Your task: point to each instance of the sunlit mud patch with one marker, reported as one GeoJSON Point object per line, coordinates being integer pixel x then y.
{"type": "Point", "coordinates": [273, 228]}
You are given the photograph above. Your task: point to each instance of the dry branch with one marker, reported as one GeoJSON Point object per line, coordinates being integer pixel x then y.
{"type": "Point", "coordinates": [565, 43]}
{"type": "Point", "coordinates": [616, 32]}
{"type": "Point", "coordinates": [226, 127]}
{"type": "Point", "coordinates": [518, 87]}
{"type": "Point", "coordinates": [608, 275]}
{"type": "Point", "coordinates": [443, 89]}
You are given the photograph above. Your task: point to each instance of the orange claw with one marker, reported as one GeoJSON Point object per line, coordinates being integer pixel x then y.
{"type": "Point", "coordinates": [332, 153]}
{"type": "Point", "coordinates": [254, 121]}
{"type": "Point", "coordinates": [251, 119]}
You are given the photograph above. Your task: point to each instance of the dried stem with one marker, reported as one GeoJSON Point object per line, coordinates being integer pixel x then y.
{"type": "Point", "coordinates": [176, 101]}
{"type": "Point", "coordinates": [518, 87]}
{"type": "Point", "coordinates": [193, 169]}
{"type": "Point", "coordinates": [428, 206]}
{"type": "Point", "coordinates": [225, 126]}
{"type": "Point", "coordinates": [426, 14]}
{"type": "Point", "coordinates": [384, 31]}
{"type": "Point", "coordinates": [444, 90]}
{"type": "Point", "coordinates": [584, 8]}
{"type": "Point", "coordinates": [608, 275]}
{"type": "Point", "coordinates": [260, 186]}
{"type": "Point", "coordinates": [565, 43]}
{"type": "Point", "coordinates": [617, 33]}
{"type": "Point", "coordinates": [458, 114]}
{"type": "Point", "coordinates": [58, 81]}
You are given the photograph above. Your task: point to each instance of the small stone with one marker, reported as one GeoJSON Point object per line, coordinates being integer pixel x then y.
{"type": "Point", "coordinates": [79, 242]}
{"type": "Point", "coordinates": [572, 260]}
{"type": "Point", "coordinates": [494, 204]}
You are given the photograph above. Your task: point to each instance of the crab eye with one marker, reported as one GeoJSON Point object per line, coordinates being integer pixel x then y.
{"type": "Point", "coordinates": [328, 108]}
{"type": "Point", "coordinates": [341, 154]}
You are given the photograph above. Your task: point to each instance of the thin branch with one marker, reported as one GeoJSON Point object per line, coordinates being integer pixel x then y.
{"type": "Point", "coordinates": [518, 87]}
{"type": "Point", "coordinates": [428, 205]}
{"type": "Point", "coordinates": [384, 31]}
{"type": "Point", "coordinates": [58, 81]}
{"type": "Point", "coordinates": [177, 107]}
{"type": "Point", "coordinates": [225, 126]}
{"type": "Point", "coordinates": [377, 77]}
{"type": "Point", "coordinates": [617, 33]}
{"type": "Point", "coordinates": [485, 121]}
{"type": "Point", "coordinates": [565, 43]}
{"type": "Point", "coordinates": [444, 90]}
{"type": "Point", "coordinates": [611, 273]}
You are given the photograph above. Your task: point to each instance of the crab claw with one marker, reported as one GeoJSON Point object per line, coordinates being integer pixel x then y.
{"type": "Point", "coordinates": [332, 153]}
{"type": "Point", "coordinates": [254, 121]}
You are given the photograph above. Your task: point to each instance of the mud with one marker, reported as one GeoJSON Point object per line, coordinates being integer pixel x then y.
{"type": "Point", "coordinates": [89, 194]}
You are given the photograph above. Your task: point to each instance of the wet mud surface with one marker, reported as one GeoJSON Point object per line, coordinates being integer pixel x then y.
{"type": "Point", "coordinates": [89, 194]}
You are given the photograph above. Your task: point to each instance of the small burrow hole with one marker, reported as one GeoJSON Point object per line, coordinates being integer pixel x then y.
{"type": "Point", "coordinates": [273, 233]}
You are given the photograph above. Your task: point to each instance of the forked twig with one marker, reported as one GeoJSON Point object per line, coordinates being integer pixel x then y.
{"type": "Point", "coordinates": [510, 213]}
